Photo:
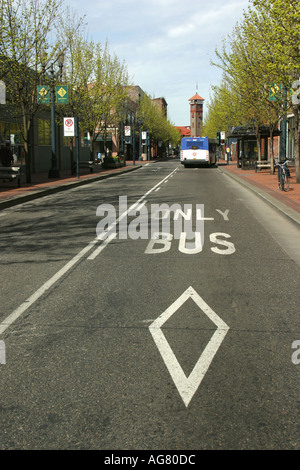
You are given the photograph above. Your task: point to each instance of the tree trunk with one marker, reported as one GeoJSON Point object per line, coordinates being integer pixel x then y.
{"type": "Point", "coordinates": [272, 148]}
{"type": "Point", "coordinates": [26, 149]}
{"type": "Point", "coordinates": [258, 143]}
{"type": "Point", "coordinates": [92, 147]}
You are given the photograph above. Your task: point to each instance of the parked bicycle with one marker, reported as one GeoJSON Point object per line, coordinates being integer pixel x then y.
{"type": "Point", "coordinates": [283, 176]}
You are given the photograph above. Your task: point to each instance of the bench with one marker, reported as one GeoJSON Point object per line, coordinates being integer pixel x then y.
{"type": "Point", "coordinates": [87, 164]}
{"type": "Point", "coordinates": [265, 164]}
{"type": "Point", "coordinates": [11, 173]}
{"type": "Point", "coordinates": [262, 164]}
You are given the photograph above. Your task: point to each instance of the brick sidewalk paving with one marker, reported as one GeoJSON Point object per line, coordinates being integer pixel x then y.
{"type": "Point", "coordinates": [41, 185]}
{"type": "Point", "coordinates": [268, 183]}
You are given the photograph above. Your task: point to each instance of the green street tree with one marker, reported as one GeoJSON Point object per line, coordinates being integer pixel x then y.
{"type": "Point", "coordinates": [223, 110]}
{"type": "Point", "coordinates": [252, 59]}
{"type": "Point", "coordinates": [154, 120]}
{"type": "Point", "coordinates": [112, 81]}
{"type": "Point", "coordinates": [25, 28]}
{"type": "Point", "coordinates": [282, 18]}
{"type": "Point", "coordinates": [97, 81]}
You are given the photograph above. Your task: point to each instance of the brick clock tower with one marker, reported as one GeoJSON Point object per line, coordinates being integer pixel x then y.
{"type": "Point", "coordinates": [196, 115]}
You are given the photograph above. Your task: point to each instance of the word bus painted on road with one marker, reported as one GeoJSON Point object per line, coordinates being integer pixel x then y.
{"type": "Point", "coordinates": [198, 151]}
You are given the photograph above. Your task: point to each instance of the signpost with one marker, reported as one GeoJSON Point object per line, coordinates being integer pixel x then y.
{"type": "Point", "coordinates": [127, 134]}
{"type": "Point", "coordinates": [69, 128]}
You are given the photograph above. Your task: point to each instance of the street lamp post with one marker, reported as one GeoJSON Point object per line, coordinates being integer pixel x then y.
{"type": "Point", "coordinates": [148, 145]}
{"type": "Point", "coordinates": [141, 122]}
{"type": "Point", "coordinates": [140, 139]}
{"type": "Point", "coordinates": [122, 132]}
{"type": "Point", "coordinates": [133, 140]}
{"type": "Point", "coordinates": [54, 171]}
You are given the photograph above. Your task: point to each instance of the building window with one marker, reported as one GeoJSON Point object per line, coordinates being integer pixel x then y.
{"type": "Point", "coordinates": [44, 131]}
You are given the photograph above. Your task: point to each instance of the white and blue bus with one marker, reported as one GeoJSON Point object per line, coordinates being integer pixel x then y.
{"type": "Point", "coordinates": [198, 151]}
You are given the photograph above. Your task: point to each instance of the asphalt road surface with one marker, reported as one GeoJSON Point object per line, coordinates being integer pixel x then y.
{"type": "Point", "coordinates": [131, 343]}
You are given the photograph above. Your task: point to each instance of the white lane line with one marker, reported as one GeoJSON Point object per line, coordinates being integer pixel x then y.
{"type": "Point", "coordinates": [187, 386]}
{"type": "Point", "coordinates": [125, 214]}
{"type": "Point", "coordinates": [102, 246]}
{"type": "Point", "coordinates": [46, 286]}
{"type": "Point", "coordinates": [113, 235]}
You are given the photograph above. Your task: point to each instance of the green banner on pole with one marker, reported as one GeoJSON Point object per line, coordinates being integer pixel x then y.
{"type": "Point", "coordinates": [43, 94]}
{"type": "Point", "coordinates": [62, 96]}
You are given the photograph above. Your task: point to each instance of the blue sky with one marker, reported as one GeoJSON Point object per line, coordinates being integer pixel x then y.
{"type": "Point", "coordinates": [167, 45]}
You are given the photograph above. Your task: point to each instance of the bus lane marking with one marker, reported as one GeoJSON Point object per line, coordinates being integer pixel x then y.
{"type": "Point", "coordinates": [187, 386]}
{"type": "Point", "coordinates": [224, 214]}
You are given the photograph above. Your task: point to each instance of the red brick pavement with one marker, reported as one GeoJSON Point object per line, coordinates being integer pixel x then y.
{"type": "Point", "coordinates": [40, 184]}
{"type": "Point", "coordinates": [269, 184]}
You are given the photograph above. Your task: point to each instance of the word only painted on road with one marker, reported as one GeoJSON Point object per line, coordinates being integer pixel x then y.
{"type": "Point", "coordinates": [161, 225]}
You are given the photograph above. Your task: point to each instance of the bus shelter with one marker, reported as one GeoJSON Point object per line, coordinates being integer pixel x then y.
{"type": "Point", "coordinates": [249, 141]}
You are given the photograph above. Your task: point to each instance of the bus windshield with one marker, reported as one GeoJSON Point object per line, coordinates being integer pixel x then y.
{"type": "Point", "coordinates": [200, 143]}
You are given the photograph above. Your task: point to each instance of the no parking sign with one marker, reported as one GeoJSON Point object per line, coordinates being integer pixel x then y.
{"type": "Point", "coordinates": [69, 127]}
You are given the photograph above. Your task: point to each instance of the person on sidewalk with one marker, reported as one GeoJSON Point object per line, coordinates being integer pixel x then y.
{"type": "Point", "coordinates": [6, 155]}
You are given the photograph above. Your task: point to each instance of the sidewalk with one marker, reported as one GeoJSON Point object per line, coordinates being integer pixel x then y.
{"type": "Point", "coordinates": [41, 185]}
{"type": "Point", "coordinates": [265, 185]}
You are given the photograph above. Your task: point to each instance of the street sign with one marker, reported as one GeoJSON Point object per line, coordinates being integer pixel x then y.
{"type": "Point", "coordinates": [62, 95]}
{"type": "Point", "coordinates": [43, 94]}
{"type": "Point", "coordinates": [127, 135]}
{"type": "Point", "coordinates": [69, 129]}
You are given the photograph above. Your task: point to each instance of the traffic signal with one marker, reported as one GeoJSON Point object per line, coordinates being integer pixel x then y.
{"type": "Point", "coordinates": [219, 137]}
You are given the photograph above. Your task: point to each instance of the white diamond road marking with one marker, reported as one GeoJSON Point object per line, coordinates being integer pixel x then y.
{"type": "Point", "coordinates": [187, 386]}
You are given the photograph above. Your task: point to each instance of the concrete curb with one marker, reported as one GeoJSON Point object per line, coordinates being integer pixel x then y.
{"type": "Point", "coordinates": [61, 187]}
{"type": "Point", "coordinates": [290, 213]}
